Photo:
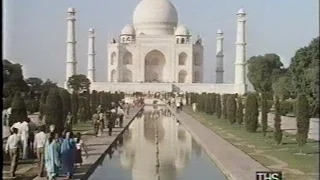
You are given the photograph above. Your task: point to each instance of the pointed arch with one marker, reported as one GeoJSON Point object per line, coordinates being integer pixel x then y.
{"type": "Point", "coordinates": [154, 66]}
{"type": "Point", "coordinates": [127, 75]}
{"type": "Point", "coordinates": [113, 76]}
{"type": "Point", "coordinates": [182, 76]}
{"type": "Point", "coordinates": [113, 58]}
{"type": "Point", "coordinates": [183, 58]}
{"type": "Point", "coordinates": [127, 58]}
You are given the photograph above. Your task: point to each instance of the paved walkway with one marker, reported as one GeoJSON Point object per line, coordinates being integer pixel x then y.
{"type": "Point", "coordinates": [97, 149]}
{"type": "Point", "coordinates": [233, 162]}
{"type": "Point", "coordinates": [289, 124]}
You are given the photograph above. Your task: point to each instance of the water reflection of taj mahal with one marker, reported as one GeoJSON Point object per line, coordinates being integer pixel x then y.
{"type": "Point", "coordinates": [139, 151]}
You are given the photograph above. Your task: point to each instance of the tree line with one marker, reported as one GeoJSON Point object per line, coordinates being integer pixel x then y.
{"type": "Point", "coordinates": [244, 111]}
{"type": "Point", "coordinates": [27, 96]}
{"type": "Point", "coordinates": [268, 74]}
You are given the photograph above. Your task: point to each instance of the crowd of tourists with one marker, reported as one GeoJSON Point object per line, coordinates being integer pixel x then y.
{"type": "Point", "coordinates": [59, 152]}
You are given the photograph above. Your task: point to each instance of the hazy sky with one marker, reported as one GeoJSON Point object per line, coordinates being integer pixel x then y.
{"type": "Point", "coordinates": [36, 30]}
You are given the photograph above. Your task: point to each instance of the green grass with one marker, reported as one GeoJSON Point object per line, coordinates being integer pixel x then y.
{"type": "Point", "coordinates": [305, 163]}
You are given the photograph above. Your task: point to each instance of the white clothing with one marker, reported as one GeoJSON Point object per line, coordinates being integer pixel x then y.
{"type": "Point", "coordinates": [113, 111]}
{"type": "Point", "coordinates": [9, 111]}
{"type": "Point", "coordinates": [101, 116]}
{"type": "Point", "coordinates": [16, 125]}
{"type": "Point", "coordinates": [120, 111]}
{"type": "Point", "coordinates": [40, 139]}
{"type": "Point", "coordinates": [13, 142]}
{"type": "Point", "coordinates": [24, 128]}
{"type": "Point", "coordinates": [79, 144]}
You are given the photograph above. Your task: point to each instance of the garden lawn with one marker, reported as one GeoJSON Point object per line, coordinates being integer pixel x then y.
{"type": "Point", "coordinates": [264, 150]}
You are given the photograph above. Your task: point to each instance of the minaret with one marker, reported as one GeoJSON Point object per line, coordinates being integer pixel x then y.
{"type": "Point", "coordinates": [71, 45]}
{"type": "Point", "coordinates": [240, 64]}
{"type": "Point", "coordinates": [219, 57]}
{"type": "Point", "coordinates": [91, 75]}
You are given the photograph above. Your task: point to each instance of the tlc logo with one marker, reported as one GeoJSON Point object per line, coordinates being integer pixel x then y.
{"type": "Point", "coordinates": [262, 175]}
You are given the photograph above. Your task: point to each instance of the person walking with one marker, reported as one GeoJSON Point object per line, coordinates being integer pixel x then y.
{"type": "Point", "coordinates": [68, 148]}
{"type": "Point", "coordinates": [13, 147]}
{"type": "Point", "coordinates": [39, 145]}
{"type": "Point", "coordinates": [121, 116]}
{"type": "Point", "coordinates": [32, 131]}
{"type": "Point", "coordinates": [101, 122]}
{"type": "Point", "coordinates": [79, 145]}
{"type": "Point", "coordinates": [24, 128]}
{"type": "Point", "coordinates": [112, 120]}
{"type": "Point", "coordinates": [95, 123]}
{"type": "Point", "coordinates": [69, 121]}
{"type": "Point", "coordinates": [52, 157]}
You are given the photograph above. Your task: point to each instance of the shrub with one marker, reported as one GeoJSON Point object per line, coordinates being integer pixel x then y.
{"type": "Point", "coordinates": [218, 106]}
{"type": "Point", "coordinates": [231, 108]}
{"type": "Point", "coordinates": [66, 103]}
{"type": "Point", "coordinates": [239, 110]}
{"type": "Point", "coordinates": [224, 106]}
{"type": "Point", "coordinates": [277, 122]}
{"type": "Point", "coordinates": [75, 106]}
{"type": "Point", "coordinates": [18, 109]}
{"type": "Point", "coordinates": [32, 105]}
{"type": "Point", "coordinates": [303, 120]}
{"type": "Point", "coordinates": [213, 104]}
{"type": "Point", "coordinates": [54, 110]}
{"type": "Point", "coordinates": [251, 113]}
{"type": "Point", "coordinates": [264, 113]}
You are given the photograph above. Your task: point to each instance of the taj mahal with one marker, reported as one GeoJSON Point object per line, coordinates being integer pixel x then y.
{"type": "Point", "coordinates": [158, 53]}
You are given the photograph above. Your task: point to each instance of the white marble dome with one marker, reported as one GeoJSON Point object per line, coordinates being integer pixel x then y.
{"type": "Point", "coordinates": [155, 17]}
{"type": "Point", "coordinates": [182, 30]}
{"type": "Point", "coordinates": [128, 30]}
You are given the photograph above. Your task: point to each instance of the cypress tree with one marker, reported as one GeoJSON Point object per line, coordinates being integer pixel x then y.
{"type": "Point", "coordinates": [213, 104]}
{"type": "Point", "coordinates": [66, 102]}
{"type": "Point", "coordinates": [94, 100]}
{"type": "Point", "coordinates": [303, 120]}
{"type": "Point", "coordinates": [224, 106]}
{"type": "Point", "coordinates": [18, 109]}
{"type": "Point", "coordinates": [239, 110]}
{"type": "Point", "coordinates": [42, 107]}
{"type": "Point", "coordinates": [54, 110]}
{"type": "Point", "coordinates": [251, 113]}
{"type": "Point", "coordinates": [218, 106]}
{"type": "Point", "coordinates": [277, 122]}
{"type": "Point", "coordinates": [208, 103]}
{"type": "Point", "coordinates": [264, 113]}
{"type": "Point", "coordinates": [231, 107]}
{"type": "Point", "coordinates": [75, 106]}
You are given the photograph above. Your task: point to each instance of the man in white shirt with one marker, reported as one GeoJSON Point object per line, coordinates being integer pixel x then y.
{"type": "Point", "coordinates": [39, 144]}
{"type": "Point", "coordinates": [24, 128]}
{"type": "Point", "coordinates": [121, 115]}
{"type": "Point", "coordinates": [13, 147]}
{"type": "Point", "coordinates": [17, 126]}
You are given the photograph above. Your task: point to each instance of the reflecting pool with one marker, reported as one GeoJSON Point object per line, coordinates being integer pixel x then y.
{"type": "Point", "coordinates": [156, 146]}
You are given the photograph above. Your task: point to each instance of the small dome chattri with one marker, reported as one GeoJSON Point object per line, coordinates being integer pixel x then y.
{"type": "Point", "coordinates": [219, 31]}
{"type": "Point", "coordinates": [128, 30]}
{"type": "Point", "coordinates": [182, 31]}
{"type": "Point", "coordinates": [71, 10]}
{"type": "Point", "coordinates": [241, 11]}
{"type": "Point", "coordinates": [91, 30]}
